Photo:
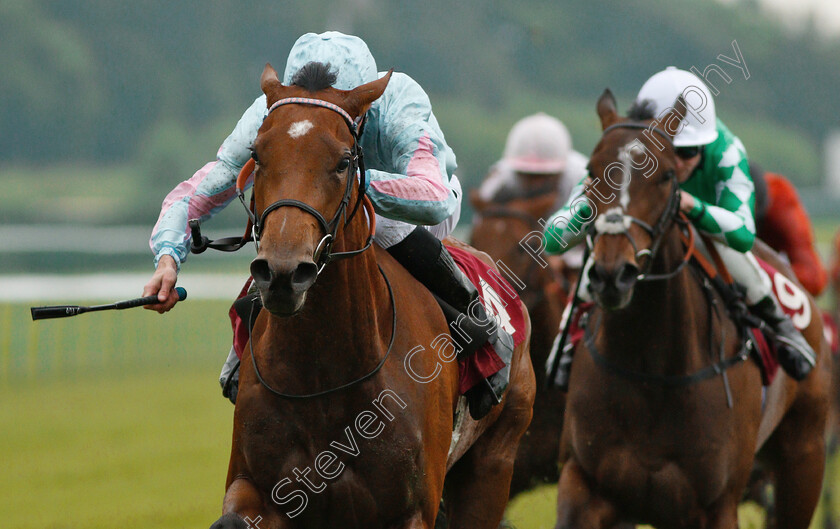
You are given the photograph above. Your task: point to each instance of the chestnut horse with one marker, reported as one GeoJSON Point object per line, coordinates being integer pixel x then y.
{"type": "Point", "coordinates": [498, 229]}
{"type": "Point", "coordinates": [334, 425]}
{"type": "Point", "coordinates": [649, 434]}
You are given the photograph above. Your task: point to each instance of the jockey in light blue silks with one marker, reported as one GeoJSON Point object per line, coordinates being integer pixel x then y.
{"type": "Point", "coordinates": [410, 181]}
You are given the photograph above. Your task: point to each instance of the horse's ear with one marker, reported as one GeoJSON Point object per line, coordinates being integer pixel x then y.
{"type": "Point", "coordinates": [607, 109]}
{"type": "Point", "coordinates": [358, 100]}
{"type": "Point", "coordinates": [478, 203]}
{"type": "Point", "coordinates": [671, 122]}
{"type": "Point", "coordinates": [270, 84]}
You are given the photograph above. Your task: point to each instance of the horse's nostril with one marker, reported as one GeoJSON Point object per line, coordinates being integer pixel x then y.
{"type": "Point", "coordinates": [596, 277]}
{"type": "Point", "coordinates": [627, 276]}
{"type": "Point", "coordinates": [304, 276]}
{"type": "Point", "coordinates": [260, 271]}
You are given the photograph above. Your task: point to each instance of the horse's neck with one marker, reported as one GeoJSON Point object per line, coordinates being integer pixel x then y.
{"type": "Point", "coordinates": [344, 327]}
{"type": "Point", "coordinates": [654, 332]}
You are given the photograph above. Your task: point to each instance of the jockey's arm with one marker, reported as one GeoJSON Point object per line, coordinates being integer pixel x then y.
{"type": "Point", "coordinates": [730, 218]}
{"type": "Point", "coordinates": [208, 191]}
{"type": "Point", "coordinates": [416, 187]}
{"type": "Point", "coordinates": [567, 227]}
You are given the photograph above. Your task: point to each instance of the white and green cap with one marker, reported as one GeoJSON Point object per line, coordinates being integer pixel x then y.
{"type": "Point", "coordinates": [663, 89]}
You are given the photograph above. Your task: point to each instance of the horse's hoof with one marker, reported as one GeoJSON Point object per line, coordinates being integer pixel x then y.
{"type": "Point", "coordinates": [230, 521]}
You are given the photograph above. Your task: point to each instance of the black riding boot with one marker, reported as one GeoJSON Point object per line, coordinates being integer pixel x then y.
{"type": "Point", "coordinates": [248, 307]}
{"type": "Point", "coordinates": [564, 365]}
{"type": "Point", "coordinates": [229, 377]}
{"type": "Point", "coordinates": [794, 353]}
{"type": "Point", "coordinates": [423, 255]}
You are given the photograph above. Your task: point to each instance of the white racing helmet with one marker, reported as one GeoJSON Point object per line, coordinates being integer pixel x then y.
{"type": "Point", "coordinates": [537, 144]}
{"type": "Point", "coordinates": [663, 89]}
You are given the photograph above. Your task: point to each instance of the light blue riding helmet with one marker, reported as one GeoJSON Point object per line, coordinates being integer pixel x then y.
{"type": "Point", "coordinates": [347, 54]}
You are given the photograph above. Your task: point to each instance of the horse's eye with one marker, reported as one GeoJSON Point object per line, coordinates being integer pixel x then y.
{"type": "Point", "coordinates": [343, 165]}
{"type": "Point", "coordinates": [254, 156]}
{"type": "Point", "coordinates": [667, 176]}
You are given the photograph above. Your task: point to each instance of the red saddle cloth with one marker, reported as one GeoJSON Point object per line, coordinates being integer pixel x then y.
{"type": "Point", "coordinates": [502, 303]}
{"type": "Point", "coordinates": [499, 299]}
{"type": "Point", "coordinates": [763, 353]}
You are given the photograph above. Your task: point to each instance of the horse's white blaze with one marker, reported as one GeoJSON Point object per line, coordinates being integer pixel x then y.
{"type": "Point", "coordinates": [624, 158]}
{"type": "Point", "coordinates": [299, 128]}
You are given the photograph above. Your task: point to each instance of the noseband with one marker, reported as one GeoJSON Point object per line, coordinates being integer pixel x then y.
{"type": "Point", "coordinates": [619, 223]}
{"type": "Point", "coordinates": [323, 252]}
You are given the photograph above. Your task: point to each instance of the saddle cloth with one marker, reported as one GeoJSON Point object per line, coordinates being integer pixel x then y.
{"type": "Point", "coordinates": [762, 352]}
{"type": "Point", "coordinates": [499, 299]}
{"type": "Point", "coordinates": [501, 302]}
{"type": "Point", "coordinates": [792, 299]}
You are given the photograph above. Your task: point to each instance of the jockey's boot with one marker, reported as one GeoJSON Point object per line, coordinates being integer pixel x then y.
{"type": "Point", "coordinates": [428, 260]}
{"type": "Point", "coordinates": [247, 307]}
{"type": "Point", "coordinates": [229, 377]}
{"type": "Point", "coordinates": [564, 368]}
{"type": "Point", "coordinates": [794, 353]}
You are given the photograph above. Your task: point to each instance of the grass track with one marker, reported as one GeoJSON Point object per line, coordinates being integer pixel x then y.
{"type": "Point", "coordinates": [116, 420]}
{"type": "Point", "coordinates": [147, 450]}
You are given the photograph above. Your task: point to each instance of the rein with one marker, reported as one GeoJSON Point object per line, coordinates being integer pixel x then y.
{"type": "Point", "coordinates": [721, 365]}
{"type": "Point", "coordinates": [670, 214]}
{"type": "Point", "coordinates": [619, 223]}
{"type": "Point", "coordinates": [359, 380]}
{"type": "Point", "coordinates": [323, 251]}
{"type": "Point", "coordinates": [323, 254]}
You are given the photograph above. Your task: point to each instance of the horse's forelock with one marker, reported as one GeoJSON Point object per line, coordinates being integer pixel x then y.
{"type": "Point", "coordinates": [642, 110]}
{"type": "Point", "coordinates": [315, 76]}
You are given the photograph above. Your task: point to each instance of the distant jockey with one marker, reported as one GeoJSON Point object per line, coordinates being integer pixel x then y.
{"type": "Point", "coordinates": [717, 195]}
{"type": "Point", "coordinates": [784, 225]}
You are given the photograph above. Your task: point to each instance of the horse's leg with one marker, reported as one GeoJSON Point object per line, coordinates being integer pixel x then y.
{"type": "Point", "coordinates": [798, 453]}
{"type": "Point", "coordinates": [242, 507]}
{"type": "Point", "coordinates": [477, 487]}
{"type": "Point", "coordinates": [724, 513]}
{"type": "Point", "coordinates": [578, 507]}
{"type": "Point", "coordinates": [828, 489]}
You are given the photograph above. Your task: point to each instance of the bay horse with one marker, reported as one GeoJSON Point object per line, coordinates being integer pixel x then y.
{"type": "Point", "coordinates": [331, 428]}
{"type": "Point", "coordinates": [499, 227]}
{"type": "Point", "coordinates": [650, 436]}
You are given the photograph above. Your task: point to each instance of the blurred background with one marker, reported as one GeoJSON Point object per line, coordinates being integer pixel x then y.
{"type": "Point", "coordinates": [116, 419]}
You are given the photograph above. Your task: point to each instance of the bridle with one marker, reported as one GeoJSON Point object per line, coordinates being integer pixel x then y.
{"type": "Point", "coordinates": [657, 231]}
{"type": "Point", "coordinates": [620, 222]}
{"type": "Point", "coordinates": [323, 251]}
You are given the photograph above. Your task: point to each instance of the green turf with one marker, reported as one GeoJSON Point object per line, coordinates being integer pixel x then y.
{"type": "Point", "coordinates": [116, 420]}
{"type": "Point", "coordinates": [131, 450]}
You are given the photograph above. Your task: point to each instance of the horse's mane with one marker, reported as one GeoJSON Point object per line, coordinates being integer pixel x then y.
{"type": "Point", "coordinates": [314, 76]}
{"type": "Point", "coordinates": [642, 110]}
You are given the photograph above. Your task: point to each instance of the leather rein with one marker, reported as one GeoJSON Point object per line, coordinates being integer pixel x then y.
{"type": "Point", "coordinates": [256, 223]}
{"type": "Point", "coordinates": [323, 254]}
{"type": "Point", "coordinates": [657, 232]}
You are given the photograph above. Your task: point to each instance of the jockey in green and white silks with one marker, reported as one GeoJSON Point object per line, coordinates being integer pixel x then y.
{"type": "Point", "coordinates": [717, 195]}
